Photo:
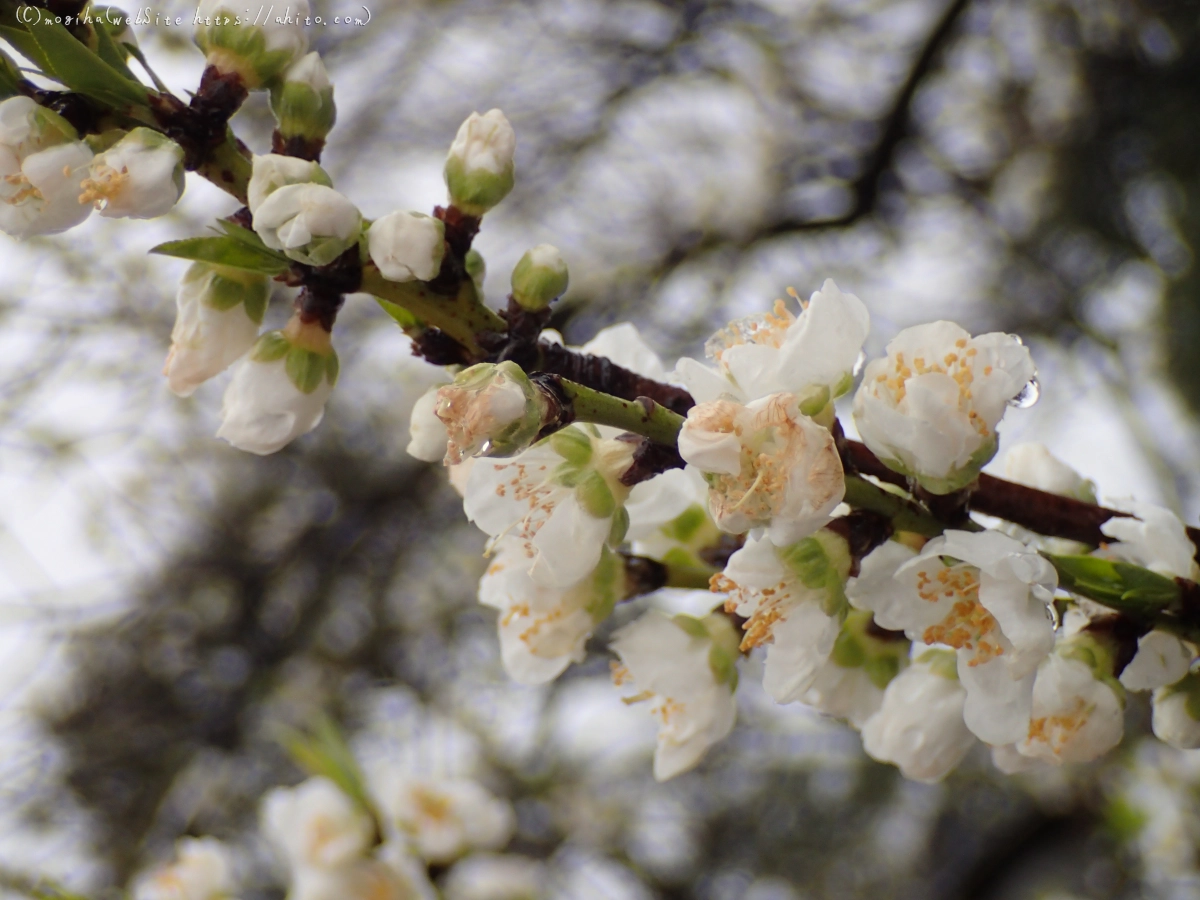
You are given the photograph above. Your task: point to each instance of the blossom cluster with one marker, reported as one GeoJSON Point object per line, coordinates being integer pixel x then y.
{"type": "Point", "coordinates": [929, 646]}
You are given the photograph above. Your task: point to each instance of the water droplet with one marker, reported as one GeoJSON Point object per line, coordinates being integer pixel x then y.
{"type": "Point", "coordinates": [1017, 338]}
{"type": "Point", "coordinates": [1055, 615]}
{"type": "Point", "coordinates": [485, 448]}
{"type": "Point", "coordinates": [1029, 395]}
{"type": "Point", "coordinates": [858, 363]}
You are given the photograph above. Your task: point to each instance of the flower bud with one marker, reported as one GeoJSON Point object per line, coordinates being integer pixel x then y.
{"type": "Point", "coordinates": [1177, 713]}
{"type": "Point", "coordinates": [476, 267]}
{"type": "Point", "coordinates": [407, 246]}
{"type": "Point", "coordinates": [279, 390]}
{"type": "Point", "coordinates": [479, 169]}
{"type": "Point", "coordinates": [219, 311]}
{"type": "Point", "coordinates": [257, 52]}
{"type": "Point", "coordinates": [490, 410]}
{"type": "Point", "coordinates": [540, 277]}
{"type": "Point", "coordinates": [140, 177]}
{"type": "Point", "coordinates": [271, 171]}
{"type": "Point", "coordinates": [310, 223]}
{"type": "Point", "coordinates": [303, 100]}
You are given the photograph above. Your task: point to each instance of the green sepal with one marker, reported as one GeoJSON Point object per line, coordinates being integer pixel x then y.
{"type": "Point", "coordinates": [822, 563]}
{"type": "Point", "coordinates": [620, 526]}
{"type": "Point", "coordinates": [399, 314]}
{"type": "Point", "coordinates": [595, 496]}
{"type": "Point", "coordinates": [270, 347]}
{"type": "Point", "coordinates": [814, 400]}
{"type": "Point", "coordinates": [83, 71]}
{"type": "Point", "coordinates": [226, 251]}
{"type": "Point", "coordinates": [306, 369]}
{"type": "Point", "coordinates": [605, 586]}
{"type": "Point", "coordinates": [333, 367]}
{"type": "Point", "coordinates": [941, 662]}
{"type": "Point", "coordinates": [572, 445]}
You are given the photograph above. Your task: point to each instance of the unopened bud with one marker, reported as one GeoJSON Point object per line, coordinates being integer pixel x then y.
{"type": "Point", "coordinates": [235, 44]}
{"type": "Point", "coordinates": [476, 267]}
{"type": "Point", "coordinates": [489, 410]}
{"type": "Point", "coordinates": [310, 223]}
{"type": "Point", "coordinates": [540, 277]}
{"type": "Point", "coordinates": [407, 246]}
{"type": "Point", "coordinates": [303, 100]}
{"type": "Point", "coordinates": [479, 168]}
{"type": "Point", "coordinates": [272, 171]}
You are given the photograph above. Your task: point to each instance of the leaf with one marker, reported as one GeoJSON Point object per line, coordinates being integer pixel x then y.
{"type": "Point", "coordinates": [322, 751]}
{"type": "Point", "coordinates": [23, 42]}
{"type": "Point", "coordinates": [82, 70]}
{"type": "Point", "coordinates": [243, 235]}
{"type": "Point", "coordinates": [226, 251]}
{"type": "Point", "coordinates": [111, 54]}
{"type": "Point", "coordinates": [403, 317]}
{"type": "Point", "coordinates": [1120, 585]}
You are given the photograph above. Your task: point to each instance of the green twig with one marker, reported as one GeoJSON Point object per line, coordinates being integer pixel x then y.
{"type": "Point", "coordinates": [642, 416]}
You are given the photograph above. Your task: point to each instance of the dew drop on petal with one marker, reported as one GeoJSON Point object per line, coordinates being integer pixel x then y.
{"type": "Point", "coordinates": [1055, 615]}
{"type": "Point", "coordinates": [1028, 396]}
{"type": "Point", "coordinates": [485, 448]}
{"type": "Point", "coordinates": [858, 363]}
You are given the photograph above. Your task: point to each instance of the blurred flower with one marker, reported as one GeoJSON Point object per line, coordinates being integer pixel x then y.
{"type": "Point", "coordinates": [1033, 465]}
{"type": "Point", "coordinates": [407, 246]}
{"type": "Point", "coordinates": [793, 601]}
{"type": "Point", "coordinates": [140, 177]}
{"type": "Point", "coordinates": [919, 726]}
{"type": "Point", "coordinates": [427, 433]}
{"type": "Point", "coordinates": [316, 826]}
{"type": "Point", "coordinates": [1161, 659]}
{"type": "Point", "coordinates": [930, 408]}
{"type": "Point", "coordinates": [443, 817]}
{"type": "Point", "coordinates": [218, 314]}
{"type": "Point", "coordinates": [362, 879]}
{"type": "Point", "coordinates": [491, 876]}
{"type": "Point", "coordinates": [479, 168]}
{"type": "Point", "coordinates": [201, 871]}
{"type": "Point", "coordinates": [767, 466]}
{"type": "Point", "coordinates": [686, 668]}
{"type": "Point", "coordinates": [1156, 539]}
{"type": "Point", "coordinates": [278, 391]}
{"type": "Point", "coordinates": [310, 223]}
{"type": "Point", "coordinates": [812, 355]}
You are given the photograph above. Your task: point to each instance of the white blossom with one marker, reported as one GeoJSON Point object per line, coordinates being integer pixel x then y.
{"type": "Point", "coordinates": [479, 168]}
{"type": "Point", "coordinates": [1161, 659]}
{"type": "Point", "coordinates": [1156, 539]}
{"type": "Point", "coordinates": [493, 876]}
{"type": "Point", "coordinates": [624, 345]}
{"type": "Point", "coordinates": [443, 818]}
{"type": "Point", "coordinates": [562, 499]}
{"type": "Point", "coordinates": [543, 629]}
{"type": "Point", "coordinates": [767, 466]}
{"type": "Point", "coordinates": [39, 193]}
{"type": "Point", "coordinates": [200, 871]}
{"type": "Point", "coordinates": [812, 355]}
{"type": "Point", "coordinates": [1176, 718]}
{"type": "Point", "coordinates": [271, 171]}
{"type": "Point", "coordinates": [491, 410]}
{"type": "Point", "coordinates": [929, 409]}
{"type": "Point", "coordinates": [427, 433]}
{"type": "Point", "coordinates": [310, 223]}
{"type": "Point", "coordinates": [218, 311]}
{"type": "Point", "coordinates": [279, 390]}
{"type": "Point", "coordinates": [991, 604]}
{"type": "Point", "coordinates": [919, 726]}
{"type": "Point", "coordinates": [407, 246]}
{"type": "Point", "coordinates": [315, 825]}
{"type": "Point", "coordinates": [139, 177]}
{"type": "Point", "coordinates": [1033, 465]}
{"type": "Point", "coordinates": [1076, 716]}
{"type": "Point", "coordinates": [27, 127]}
{"type": "Point", "coordinates": [685, 668]}
{"type": "Point", "coordinates": [793, 601]}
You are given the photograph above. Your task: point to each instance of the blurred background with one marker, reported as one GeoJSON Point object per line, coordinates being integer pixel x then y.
{"type": "Point", "coordinates": [166, 602]}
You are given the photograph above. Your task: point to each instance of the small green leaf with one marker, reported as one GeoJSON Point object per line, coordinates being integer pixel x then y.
{"type": "Point", "coordinates": [111, 54]}
{"type": "Point", "coordinates": [403, 317]}
{"type": "Point", "coordinates": [306, 369]}
{"type": "Point", "coordinates": [691, 625]}
{"type": "Point", "coordinates": [23, 42]}
{"type": "Point", "coordinates": [243, 235]}
{"type": "Point", "coordinates": [323, 751]}
{"type": "Point", "coordinates": [82, 70]}
{"type": "Point", "coordinates": [225, 251]}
